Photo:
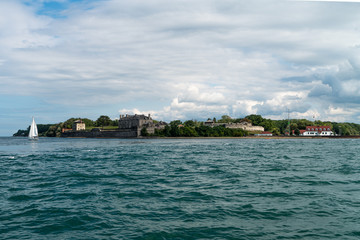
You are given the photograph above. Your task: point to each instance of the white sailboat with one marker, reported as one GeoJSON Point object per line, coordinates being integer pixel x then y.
{"type": "Point", "coordinates": [33, 133]}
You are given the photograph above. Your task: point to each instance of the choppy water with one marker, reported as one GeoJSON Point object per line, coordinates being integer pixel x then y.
{"type": "Point", "coordinates": [179, 189]}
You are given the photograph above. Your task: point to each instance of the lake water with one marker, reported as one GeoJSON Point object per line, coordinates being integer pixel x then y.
{"type": "Point", "coordinates": [179, 189]}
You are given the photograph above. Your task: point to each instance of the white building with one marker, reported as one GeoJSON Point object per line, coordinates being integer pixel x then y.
{"type": "Point", "coordinates": [264, 134]}
{"type": "Point", "coordinates": [78, 125]}
{"type": "Point", "coordinates": [317, 131]}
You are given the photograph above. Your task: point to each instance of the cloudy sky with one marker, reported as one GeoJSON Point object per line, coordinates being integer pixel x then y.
{"type": "Point", "coordinates": [178, 59]}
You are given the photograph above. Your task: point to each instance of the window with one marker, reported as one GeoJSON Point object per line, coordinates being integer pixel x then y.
{"type": "Point", "coordinates": [320, 129]}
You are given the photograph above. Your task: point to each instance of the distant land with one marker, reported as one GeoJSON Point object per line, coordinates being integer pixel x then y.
{"type": "Point", "coordinates": [194, 128]}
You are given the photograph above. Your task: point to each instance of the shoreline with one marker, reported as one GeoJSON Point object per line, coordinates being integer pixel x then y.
{"type": "Point", "coordinates": [247, 137]}
{"type": "Point", "coordinates": [256, 137]}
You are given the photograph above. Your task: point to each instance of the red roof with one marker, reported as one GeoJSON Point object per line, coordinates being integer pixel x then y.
{"type": "Point", "coordinates": [318, 128]}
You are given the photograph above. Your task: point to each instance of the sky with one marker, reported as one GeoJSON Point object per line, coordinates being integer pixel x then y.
{"type": "Point", "coordinates": [179, 59]}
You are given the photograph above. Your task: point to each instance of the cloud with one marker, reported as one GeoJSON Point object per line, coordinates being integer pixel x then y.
{"type": "Point", "coordinates": [194, 95]}
{"type": "Point", "coordinates": [21, 29]}
{"type": "Point", "coordinates": [192, 103]}
{"type": "Point", "coordinates": [320, 90]}
{"type": "Point", "coordinates": [184, 59]}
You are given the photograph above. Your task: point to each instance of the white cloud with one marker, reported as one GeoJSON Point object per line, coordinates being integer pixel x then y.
{"type": "Point", "coordinates": [185, 59]}
{"type": "Point", "coordinates": [193, 103]}
{"type": "Point", "coordinates": [351, 87]}
{"type": "Point", "coordinates": [20, 28]}
{"type": "Point", "coordinates": [244, 107]}
{"type": "Point", "coordinates": [338, 111]}
{"type": "Point", "coordinates": [194, 95]}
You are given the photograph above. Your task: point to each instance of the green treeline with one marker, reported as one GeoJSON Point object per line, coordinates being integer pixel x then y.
{"type": "Point", "coordinates": [42, 128]}
{"type": "Point", "coordinates": [54, 130]}
{"type": "Point", "coordinates": [193, 128]}
{"type": "Point", "coordinates": [277, 127]}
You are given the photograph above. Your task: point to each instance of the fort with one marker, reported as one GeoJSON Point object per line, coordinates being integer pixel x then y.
{"type": "Point", "coordinates": [245, 125]}
{"type": "Point", "coordinates": [135, 123]}
{"type": "Point", "coordinates": [130, 126]}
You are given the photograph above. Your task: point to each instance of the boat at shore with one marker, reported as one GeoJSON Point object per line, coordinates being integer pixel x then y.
{"type": "Point", "coordinates": [33, 133]}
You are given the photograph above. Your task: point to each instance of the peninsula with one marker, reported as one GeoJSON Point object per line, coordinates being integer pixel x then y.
{"type": "Point", "coordinates": [135, 126]}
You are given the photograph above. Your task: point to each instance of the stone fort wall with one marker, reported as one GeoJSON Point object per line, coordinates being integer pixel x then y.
{"type": "Point", "coordinates": [100, 134]}
{"type": "Point", "coordinates": [242, 125]}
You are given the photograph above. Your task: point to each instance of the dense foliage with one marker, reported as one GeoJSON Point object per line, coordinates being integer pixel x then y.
{"type": "Point", "coordinates": [54, 130]}
{"type": "Point", "coordinates": [192, 128]}
{"type": "Point", "coordinates": [42, 129]}
{"type": "Point", "coordinates": [277, 127]}
{"type": "Point", "coordinates": [280, 126]}
{"type": "Point", "coordinates": [105, 121]}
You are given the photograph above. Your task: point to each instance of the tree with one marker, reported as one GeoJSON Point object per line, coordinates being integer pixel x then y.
{"type": "Point", "coordinates": [175, 123]}
{"type": "Point", "coordinates": [174, 131]}
{"type": "Point", "coordinates": [276, 132]}
{"type": "Point", "coordinates": [203, 131]}
{"type": "Point", "coordinates": [174, 128]}
{"type": "Point", "coordinates": [68, 123]}
{"type": "Point", "coordinates": [318, 123]}
{"type": "Point", "coordinates": [188, 132]}
{"type": "Point", "coordinates": [88, 122]}
{"type": "Point", "coordinates": [114, 122]}
{"type": "Point", "coordinates": [189, 123]}
{"type": "Point", "coordinates": [281, 125]}
{"type": "Point", "coordinates": [225, 119]}
{"type": "Point", "coordinates": [297, 132]}
{"type": "Point", "coordinates": [267, 124]}
{"type": "Point", "coordinates": [103, 121]}
{"type": "Point", "coordinates": [293, 125]}
{"type": "Point", "coordinates": [255, 119]}
{"type": "Point", "coordinates": [302, 123]}
{"type": "Point", "coordinates": [144, 132]}
{"type": "Point", "coordinates": [22, 133]}
{"type": "Point", "coordinates": [167, 132]}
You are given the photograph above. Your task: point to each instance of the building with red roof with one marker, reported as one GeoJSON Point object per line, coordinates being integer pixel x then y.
{"type": "Point", "coordinates": [317, 131]}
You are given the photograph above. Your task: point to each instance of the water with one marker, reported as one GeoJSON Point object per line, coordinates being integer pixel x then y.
{"type": "Point", "coordinates": [179, 189]}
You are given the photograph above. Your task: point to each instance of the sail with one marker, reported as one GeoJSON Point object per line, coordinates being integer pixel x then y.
{"type": "Point", "coordinates": [33, 133]}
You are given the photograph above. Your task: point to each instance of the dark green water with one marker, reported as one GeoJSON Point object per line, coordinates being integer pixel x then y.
{"type": "Point", "coordinates": [179, 189]}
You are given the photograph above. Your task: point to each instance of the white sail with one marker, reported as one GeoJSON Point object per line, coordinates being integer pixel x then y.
{"type": "Point", "coordinates": [33, 133]}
